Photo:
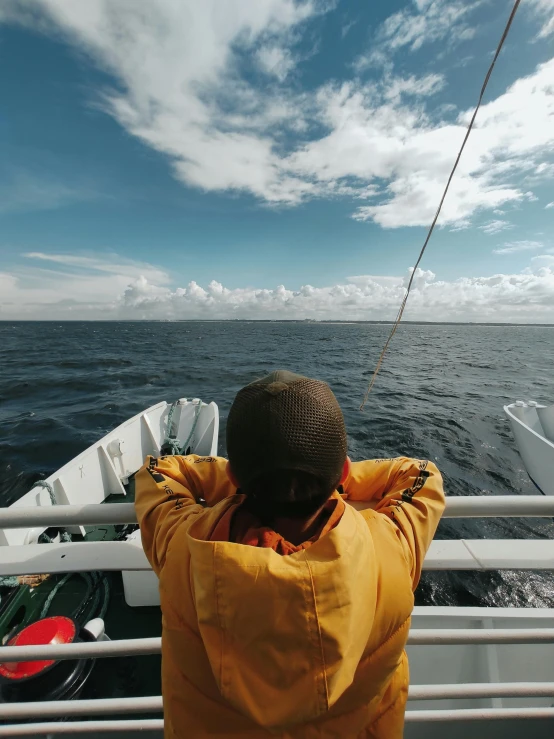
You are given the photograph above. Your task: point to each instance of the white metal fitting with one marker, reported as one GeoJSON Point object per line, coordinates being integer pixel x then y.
{"type": "Point", "coordinates": [115, 448]}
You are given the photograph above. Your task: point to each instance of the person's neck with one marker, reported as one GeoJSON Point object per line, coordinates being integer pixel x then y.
{"type": "Point", "coordinates": [297, 531]}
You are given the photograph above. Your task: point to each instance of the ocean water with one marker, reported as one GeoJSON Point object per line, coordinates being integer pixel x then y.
{"type": "Point", "coordinates": [439, 396]}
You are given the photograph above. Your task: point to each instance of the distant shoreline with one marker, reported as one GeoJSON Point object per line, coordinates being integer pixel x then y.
{"type": "Point", "coordinates": [309, 321]}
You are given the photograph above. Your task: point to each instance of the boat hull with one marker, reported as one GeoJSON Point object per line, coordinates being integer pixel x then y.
{"type": "Point", "coordinates": [535, 448]}
{"type": "Point", "coordinates": [104, 468]}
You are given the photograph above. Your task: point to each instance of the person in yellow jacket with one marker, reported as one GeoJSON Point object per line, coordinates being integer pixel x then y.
{"type": "Point", "coordinates": [285, 610]}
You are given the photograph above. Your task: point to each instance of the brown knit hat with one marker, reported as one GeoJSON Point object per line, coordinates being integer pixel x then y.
{"type": "Point", "coordinates": [286, 422]}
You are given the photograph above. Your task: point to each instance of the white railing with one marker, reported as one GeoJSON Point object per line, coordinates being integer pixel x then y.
{"type": "Point", "coordinates": [96, 707]}
{"type": "Point", "coordinates": [154, 703]}
{"type": "Point", "coordinates": [506, 506]}
{"type": "Point", "coordinates": [142, 725]}
{"type": "Point", "coordinates": [480, 690]}
{"type": "Point", "coordinates": [478, 714]}
{"type": "Point", "coordinates": [453, 554]}
{"type": "Point", "coordinates": [152, 645]}
{"type": "Point", "coordinates": [82, 727]}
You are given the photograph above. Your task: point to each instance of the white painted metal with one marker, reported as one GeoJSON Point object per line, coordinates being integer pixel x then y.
{"type": "Point", "coordinates": [141, 587]}
{"type": "Point", "coordinates": [533, 442]}
{"type": "Point", "coordinates": [91, 514]}
{"type": "Point", "coordinates": [478, 690]}
{"type": "Point", "coordinates": [460, 554]}
{"type": "Point", "coordinates": [433, 660]}
{"type": "Point", "coordinates": [454, 554]}
{"type": "Point", "coordinates": [433, 616]}
{"type": "Point", "coordinates": [451, 716]}
{"type": "Point", "coordinates": [152, 645]}
{"type": "Point", "coordinates": [104, 468]}
{"type": "Point", "coordinates": [80, 650]}
{"type": "Point", "coordinates": [429, 637]}
{"type": "Point", "coordinates": [71, 557]}
{"type": "Point", "coordinates": [546, 417]}
{"type": "Point", "coordinates": [479, 714]}
{"type": "Point", "coordinates": [82, 727]}
{"type": "Point", "coordinates": [507, 506]}
{"type": "Point", "coordinates": [97, 707]}
{"type": "Point", "coordinates": [154, 703]}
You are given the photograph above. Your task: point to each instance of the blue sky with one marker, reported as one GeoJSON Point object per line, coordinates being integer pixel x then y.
{"type": "Point", "coordinates": [271, 158]}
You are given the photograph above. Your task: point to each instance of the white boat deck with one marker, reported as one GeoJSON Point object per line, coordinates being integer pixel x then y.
{"type": "Point", "coordinates": [485, 671]}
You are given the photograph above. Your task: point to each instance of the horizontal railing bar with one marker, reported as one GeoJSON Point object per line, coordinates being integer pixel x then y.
{"type": "Point", "coordinates": [79, 556]}
{"type": "Point", "coordinates": [89, 727]}
{"type": "Point", "coordinates": [91, 514]}
{"type": "Point", "coordinates": [506, 506]}
{"type": "Point", "coordinates": [144, 704]}
{"type": "Point", "coordinates": [95, 514]}
{"type": "Point", "coordinates": [82, 727]}
{"type": "Point", "coordinates": [427, 637]}
{"type": "Point", "coordinates": [154, 704]}
{"type": "Point", "coordinates": [478, 714]}
{"type": "Point", "coordinates": [152, 645]}
{"type": "Point", "coordinates": [81, 650]}
{"type": "Point", "coordinates": [487, 506]}
{"type": "Point", "coordinates": [452, 554]}
{"type": "Point", "coordinates": [480, 690]}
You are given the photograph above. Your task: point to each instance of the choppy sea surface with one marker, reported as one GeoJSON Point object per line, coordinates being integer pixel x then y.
{"type": "Point", "coordinates": [439, 396]}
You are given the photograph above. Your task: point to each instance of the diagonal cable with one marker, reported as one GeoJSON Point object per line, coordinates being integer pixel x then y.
{"type": "Point", "coordinates": [470, 126]}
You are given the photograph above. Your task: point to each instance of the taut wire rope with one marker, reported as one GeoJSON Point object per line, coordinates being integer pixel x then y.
{"type": "Point", "coordinates": [432, 226]}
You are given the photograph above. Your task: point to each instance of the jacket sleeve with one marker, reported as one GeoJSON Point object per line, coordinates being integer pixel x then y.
{"type": "Point", "coordinates": [167, 493]}
{"type": "Point", "coordinates": [409, 492]}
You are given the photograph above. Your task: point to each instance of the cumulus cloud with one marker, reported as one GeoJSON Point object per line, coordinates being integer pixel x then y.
{"type": "Point", "coordinates": [125, 292]}
{"type": "Point", "coordinates": [183, 85]}
{"type": "Point", "coordinates": [550, 205]}
{"type": "Point", "coordinates": [511, 247]}
{"type": "Point", "coordinates": [524, 297]}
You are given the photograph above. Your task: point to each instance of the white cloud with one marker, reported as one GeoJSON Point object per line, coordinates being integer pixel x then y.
{"type": "Point", "coordinates": [175, 62]}
{"type": "Point", "coordinates": [496, 226]}
{"type": "Point", "coordinates": [511, 247]}
{"type": "Point", "coordinates": [419, 23]}
{"type": "Point", "coordinates": [395, 87]}
{"type": "Point", "coordinates": [183, 87]}
{"type": "Point", "coordinates": [345, 29]}
{"type": "Point", "coordinates": [428, 21]}
{"type": "Point", "coordinates": [125, 292]}
{"type": "Point", "coordinates": [275, 60]}
{"type": "Point", "coordinates": [545, 261]}
{"type": "Point", "coordinates": [550, 205]}
{"type": "Point", "coordinates": [544, 10]}
{"type": "Point", "coordinates": [109, 262]}
{"type": "Point", "coordinates": [89, 284]}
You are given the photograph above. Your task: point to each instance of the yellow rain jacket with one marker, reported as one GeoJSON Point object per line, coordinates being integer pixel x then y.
{"type": "Point", "coordinates": [256, 644]}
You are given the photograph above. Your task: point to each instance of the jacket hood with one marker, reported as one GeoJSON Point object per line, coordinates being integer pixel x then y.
{"type": "Point", "coordinates": [284, 635]}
